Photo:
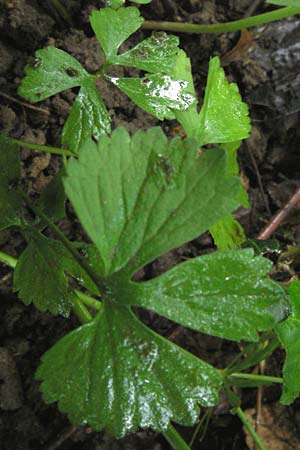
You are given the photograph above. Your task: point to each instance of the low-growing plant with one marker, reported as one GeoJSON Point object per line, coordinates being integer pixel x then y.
{"type": "Point", "coordinates": [138, 197]}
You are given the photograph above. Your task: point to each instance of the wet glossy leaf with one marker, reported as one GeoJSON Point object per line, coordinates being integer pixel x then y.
{"type": "Point", "coordinates": [113, 27]}
{"type": "Point", "coordinates": [289, 335]}
{"type": "Point", "coordinates": [53, 198]}
{"type": "Point", "coordinates": [158, 94]}
{"type": "Point", "coordinates": [116, 373]}
{"type": "Point", "coordinates": [162, 195]}
{"type": "Point", "coordinates": [182, 71]}
{"type": "Point", "coordinates": [41, 273]}
{"type": "Point", "coordinates": [224, 294]}
{"type": "Point", "coordinates": [88, 117]}
{"type": "Point", "coordinates": [155, 54]}
{"type": "Point", "coordinates": [10, 201]}
{"type": "Point", "coordinates": [53, 71]}
{"type": "Point", "coordinates": [224, 116]}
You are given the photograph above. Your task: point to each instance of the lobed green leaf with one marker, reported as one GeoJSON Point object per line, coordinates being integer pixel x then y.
{"type": "Point", "coordinates": [224, 116]}
{"type": "Point", "coordinates": [294, 3]}
{"type": "Point", "coordinates": [113, 27]}
{"type": "Point", "coordinates": [158, 94]}
{"type": "Point", "coordinates": [53, 198]}
{"type": "Point", "coordinates": [154, 54]}
{"type": "Point", "coordinates": [163, 194]}
{"type": "Point", "coordinates": [116, 373]}
{"type": "Point", "coordinates": [88, 117]}
{"type": "Point", "coordinates": [225, 294]}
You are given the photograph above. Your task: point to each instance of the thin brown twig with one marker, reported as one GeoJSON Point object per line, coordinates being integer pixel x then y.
{"type": "Point", "coordinates": [280, 216]}
{"type": "Point", "coordinates": [259, 180]}
{"type": "Point", "coordinates": [25, 104]}
{"type": "Point", "coordinates": [61, 438]}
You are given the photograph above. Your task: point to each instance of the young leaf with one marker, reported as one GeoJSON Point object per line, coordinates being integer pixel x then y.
{"type": "Point", "coordinates": [115, 4]}
{"type": "Point", "coordinates": [154, 54]}
{"type": "Point", "coordinates": [53, 71]}
{"type": "Point", "coordinates": [224, 294]}
{"type": "Point", "coordinates": [162, 195]}
{"type": "Point", "coordinates": [289, 335]}
{"type": "Point", "coordinates": [116, 373]}
{"type": "Point", "coordinates": [88, 117]}
{"type": "Point", "coordinates": [182, 71]}
{"type": "Point", "coordinates": [158, 94]}
{"type": "Point", "coordinates": [228, 233]}
{"type": "Point", "coordinates": [10, 201]}
{"type": "Point", "coordinates": [40, 276]}
{"type": "Point", "coordinates": [223, 117]}
{"type": "Point", "coordinates": [113, 27]}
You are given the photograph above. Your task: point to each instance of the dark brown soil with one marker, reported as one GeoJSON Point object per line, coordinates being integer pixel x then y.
{"type": "Point", "coordinates": [268, 74]}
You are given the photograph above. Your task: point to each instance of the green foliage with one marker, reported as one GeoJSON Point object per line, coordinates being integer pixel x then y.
{"type": "Point", "coordinates": [289, 336]}
{"type": "Point", "coordinates": [112, 28]}
{"type": "Point", "coordinates": [225, 294]}
{"type": "Point", "coordinates": [293, 3]}
{"type": "Point", "coordinates": [223, 117]}
{"type": "Point", "coordinates": [53, 198]}
{"type": "Point", "coordinates": [116, 373]}
{"type": "Point", "coordinates": [10, 201]}
{"type": "Point", "coordinates": [147, 210]}
{"type": "Point", "coordinates": [163, 194]}
{"type": "Point", "coordinates": [158, 94]}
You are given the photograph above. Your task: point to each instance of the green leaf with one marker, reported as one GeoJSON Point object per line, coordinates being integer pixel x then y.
{"type": "Point", "coordinates": [225, 294]}
{"type": "Point", "coordinates": [288, 333]}
{"type": "Point", "coordinates": [41, 273]}
{"type": "Point", "coordinates": [10, 201]}
{"type": "Point", "coordinates": [294, 3]}
{"type": "Point", "coordinates": [117, 374]}
{"type": "Point", "coordinates": [223, 117]}
{"type": "Point", "coordinates": [115, 4]}
{"type": "Point", "coordinates": [53, 198]}
{"type": "Point", "coordinates": [158, 94]}
{"type": "Point", "coordinates": [53, 71]}
{"type": "Point", "coordinates": [182, 71]}
{"type": "Point", "coordinates": [162, 195]}
{"type": "Point", "coordinates": [113, 27]}
{"type": "Point", "coordinates": [155, 54]}
{"type": "Point", "coordinates": [88, 117]}
{"type": "Point", "coordinates": [228, 233]}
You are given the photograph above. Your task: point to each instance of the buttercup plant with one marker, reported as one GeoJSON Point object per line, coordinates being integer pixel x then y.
{"type": "Point", "coordinates": [138, 197]}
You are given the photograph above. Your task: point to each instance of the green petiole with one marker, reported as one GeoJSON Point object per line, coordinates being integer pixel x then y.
{"type": "Point", "coordinates": [235, 25]}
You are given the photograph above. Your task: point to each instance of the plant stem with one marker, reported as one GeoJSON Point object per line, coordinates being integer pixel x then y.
{"type": "Point", "coordinates": [253, 377]}
{"type": "Point", "coordinates": [80, 310]}
{"type": "Point", "coordinates": [174, 439]}
{"type": "Point", "coordinates": [250, 429]}
{"type": "Point", "coordinates": [9, 260]}
{"type": "Point", "coordinates": [89, 301]}
{"type": "Point", "coordinates": [60, 235]}
{"type": "Point", "coordinates": [236, 25]}
{"type": "Point", "coordinates": [43, 148]}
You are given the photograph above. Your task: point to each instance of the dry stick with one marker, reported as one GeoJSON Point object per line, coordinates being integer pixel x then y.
{"type": "Point", "coordinates": [25, 104]}
{"type": "Point", "coordinates": [259, 180]}
{"type": "Point", "coordinates": [279, 217]}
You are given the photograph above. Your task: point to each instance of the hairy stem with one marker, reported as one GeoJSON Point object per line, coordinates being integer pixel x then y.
{"type": "Point", "coordinates": [43, 148]}
{"type": "Point", "coordinates": [250, 429]}
{"type": "Point", "coordinates": [236, 25]}
{"type": "Point", "coordinates": [174, 439]}
{"type": "Point", "coordinates": [253, 377]}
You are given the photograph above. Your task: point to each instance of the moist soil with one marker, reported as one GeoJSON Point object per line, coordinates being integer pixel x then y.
{"type": "Point", "coordinates": [265, 63]}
